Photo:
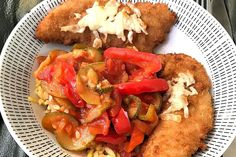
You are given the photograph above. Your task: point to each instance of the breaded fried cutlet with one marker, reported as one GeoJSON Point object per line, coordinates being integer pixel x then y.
{"type": "Point", "coordinates": [158, 18]}
{"type": "Point", "coordinates": [183, 139]}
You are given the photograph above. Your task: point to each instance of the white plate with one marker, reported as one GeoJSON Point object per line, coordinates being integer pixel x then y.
{"type": "Point", "coordinates": [196, 33]}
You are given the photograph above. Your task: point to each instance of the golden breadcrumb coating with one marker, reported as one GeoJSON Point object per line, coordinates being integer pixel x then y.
{"type": "Point", "coordinates": [157, 17]}
{"type": "Point", "coordinates": [172, 139]}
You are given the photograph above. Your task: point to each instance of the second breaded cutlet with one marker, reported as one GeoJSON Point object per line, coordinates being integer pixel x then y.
{"type": "Point", "coordinates": [158, 18]}
{"type": "Point", "coordinates": [173, 139]}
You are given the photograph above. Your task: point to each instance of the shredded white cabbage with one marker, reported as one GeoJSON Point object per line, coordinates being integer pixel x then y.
{"type": "Point", "coordinates": [179, 90]}
{"type": "Point", "coordinates": [108, 20]}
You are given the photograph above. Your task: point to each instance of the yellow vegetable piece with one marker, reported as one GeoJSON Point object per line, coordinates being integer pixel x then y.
{"type": "Point", "coordinates": [87, 94]}
{"type": "Point", "coordinates": [150, 115]}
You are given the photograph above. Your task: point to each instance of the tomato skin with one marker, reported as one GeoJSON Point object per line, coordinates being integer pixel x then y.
{"type": "Point", "coordinates": [121, 65]}
{"type": "Point", "coordinates": [115, 71]}
{"type": "Point", "coordinates": [121, 122]}
{"type": "Point", "coordinates": [72, 95]}
{"type": "Point", "coordinates": [114, 110]}
{"type": "Point", "coordinates": [46, 74]}
{"type": "Point", "coordinates": [62, 72]}
{"type": "Point", "coordinates": [111, 137]}
{"type": "Point", "coordinates": [53, 88]}
{"type": "Point", "coordinates": [67, 79]}
{"type": "Point", "coordinates": [100, 125]}
{"type": "Point", "coordinates": [148, 85]}
{"type": "Point", "coordinates": [68, 73]}
{"type": "Point", "coordinates": [114, 67]}
{"type": "Point", "coordinates": [49, 60]}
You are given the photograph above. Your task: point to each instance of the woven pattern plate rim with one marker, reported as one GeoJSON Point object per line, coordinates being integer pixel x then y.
{"type": "Point", "coordinates": [194, 21]}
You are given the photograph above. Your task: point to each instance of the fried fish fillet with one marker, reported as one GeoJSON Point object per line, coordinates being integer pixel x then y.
{"type": "Point", "coordinates": [172, 139]}
{"type": "Point", "coordinates": [157, 17]}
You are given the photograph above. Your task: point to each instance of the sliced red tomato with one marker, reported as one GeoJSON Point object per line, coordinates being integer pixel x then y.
{"type": "Point", "coordinates": [144, 108]}
{"type": "Point", "coordinates": [114, 110]}
{"type": "Point", "coordinates": [68, 73]}
{"type": "Point", "coordinates": [62, 75]}
{"type": "Point", "coordinates": [130, 68]}
{"type": "Point", "coordinates": [73, 96]}
{"type": "Point", "coordinates": [49, 60]}
{"type": "Point", "coordinates": [112, 137]}
{"type": "Point", "coordinates": [114, 67]}
{"type": "Point", "coordinates": [137, 138]}
{"type": "Point", "coordinates": [53, 88]}
{"type": "Point", "coordinates": [100, 125]}
{"type": "Point", "coordinates": [115, 71]}
{"type": "Point", "coordinates": [121, 122]}
{"type": "Point", "coordinates": [46, 74]}
{"type": "Point", "coordinates": [151, 85]}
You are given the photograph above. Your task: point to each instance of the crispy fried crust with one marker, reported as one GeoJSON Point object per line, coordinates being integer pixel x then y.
{"type": "Point", "coordinates": [172, 139]}
{"type": "Point", "coordinates": [156, 16]}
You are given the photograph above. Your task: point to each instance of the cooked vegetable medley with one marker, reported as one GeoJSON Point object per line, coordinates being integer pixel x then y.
{"type": "Point", "coordinates": [95, 98]}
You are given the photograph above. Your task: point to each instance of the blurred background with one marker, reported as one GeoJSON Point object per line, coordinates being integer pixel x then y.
{"type": "Point", "coordinates": [11, 11]}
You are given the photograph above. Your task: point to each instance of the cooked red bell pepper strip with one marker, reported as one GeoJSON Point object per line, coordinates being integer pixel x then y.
{"type": "Point", "coordinates": [137, 138]}
{"type": "Point", "coordinates": [111, 137]}
{"type": "Point", "coordinates": [121, 122]}
{"type": "Point", "coordinates": [100, 125]}
{"type": "Point", "coordinates": [149, 62]}
{"type": "Point", "coordinates": [72, 95]}
{"type": "Point", "coordinates": [151, 85]}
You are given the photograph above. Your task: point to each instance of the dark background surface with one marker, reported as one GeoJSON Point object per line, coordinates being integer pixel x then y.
{"type": "Point", "coordinates": [11, 11]}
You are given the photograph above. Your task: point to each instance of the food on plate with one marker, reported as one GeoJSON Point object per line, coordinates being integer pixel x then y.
{"type": "Point", "coordinates": [120, 101]}
{"type": "Point", "coordinates": [109, 103]}
{"type": "Point", "coordinates": [87, 108]}
{"type": "Point", "coordinates": [182, 139]}
{"type": "Point", "coordinates": [107, 23]}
